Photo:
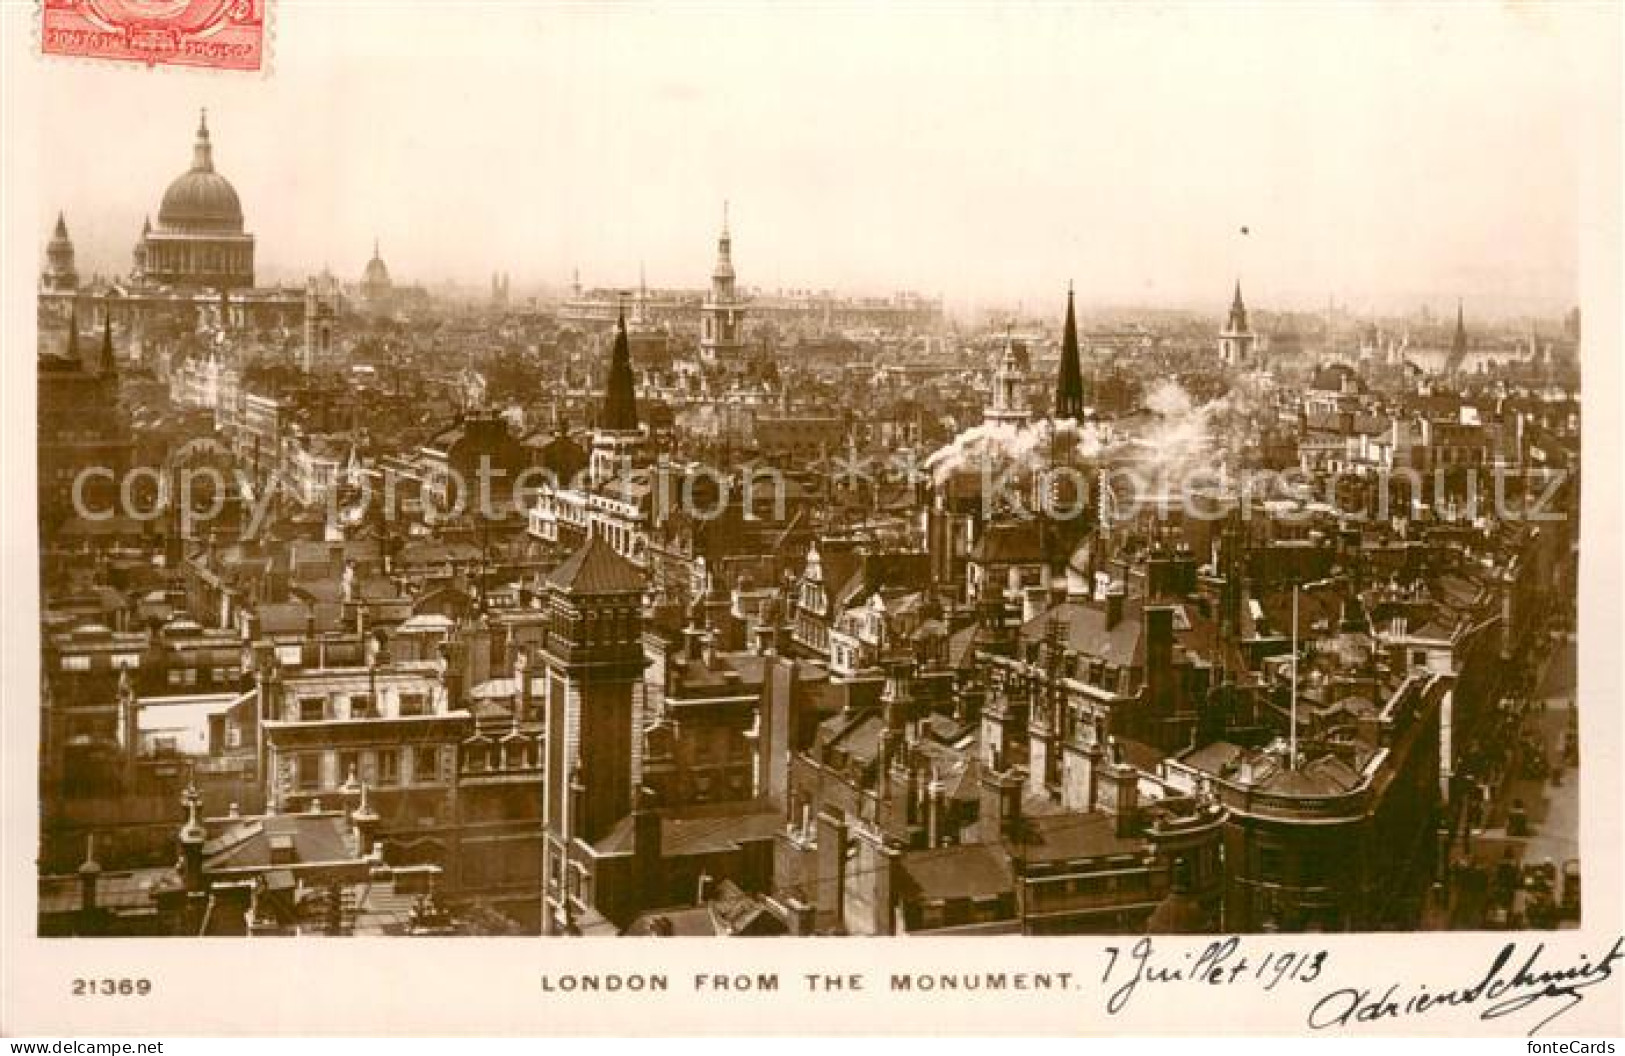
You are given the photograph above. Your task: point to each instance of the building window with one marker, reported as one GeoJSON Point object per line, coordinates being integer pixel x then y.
{"type": "Point", "coordinates": [389, 767]}
{"type": "Point", "coordinates": [76, 663]}
{"type": "Point", "coordinates": [1269, 864]}
{"type": "Point", "coordinates": [308, 771]}
{"type": "Point", "coordinates": [425, 763]}
{"type": "Point", "coordinates": [413, 704]}
{"type": "Point", "coordinates": [349, 763]}
{"type": "Point", "coordinates": [312, 709]}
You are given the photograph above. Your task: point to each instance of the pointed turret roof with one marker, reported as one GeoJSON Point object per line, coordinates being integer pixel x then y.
{"type": "Point", "coordinates": [61, 232]}
{"type": "Point", "coordinates": [1069, 378]}
{"type": "Point", "coordinates": [1458, 343]}
{"type": "Point", "coordinates": [620, 413]}
{"type": "Point", "coordinates": [597, 568]}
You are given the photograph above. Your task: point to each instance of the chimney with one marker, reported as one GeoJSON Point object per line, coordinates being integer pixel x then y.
{"type": "Point", "coordinates": [1159, 658]}
{"type": "Point", "coordinates": [192, 837]}
{"type": "Point", "coordinates": [1115, 597]}
{"type": "Point", "coordinates": [935, 796]}
{"type": "Point", "coordinates": [831, 867]}
{"type": "Point", "coordinates": [999, 810]}
{"type": "Point", "coordinates": [90, 874]}
{"type": "Point", "coordinates": [800, 917]}
{"type": "Point", "coordinates": [577, 804]}
{"type": "Point", "coordinates": [646, 848]}
{"type": "Point", "coordinates": [1117, 792]}
{"type": "Point", "coordinates": [521, 679]}
{"type": "Point", "coordinates": [1032, 603]}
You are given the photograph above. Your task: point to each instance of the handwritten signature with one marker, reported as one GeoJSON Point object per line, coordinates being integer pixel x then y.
{"type": "Point", "coordinates": [1499, 992]}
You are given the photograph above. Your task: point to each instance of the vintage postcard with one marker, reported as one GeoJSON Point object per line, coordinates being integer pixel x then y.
{"type": "Point", "coordinates": [1056, 518]}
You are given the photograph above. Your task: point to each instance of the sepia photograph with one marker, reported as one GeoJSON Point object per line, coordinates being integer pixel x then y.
{"type": "Point", "coordinates": [544, 471]}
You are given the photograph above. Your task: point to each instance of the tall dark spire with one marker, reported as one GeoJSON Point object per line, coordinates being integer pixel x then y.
{"type": "Point", "coordinates": [108, 365]}
{"type": "Point", "coordinates": [620, 404]}
{"type": "Point", "coordinates": [1069, 379]}
{"type": "Point", "coordinates": [1458, 343]}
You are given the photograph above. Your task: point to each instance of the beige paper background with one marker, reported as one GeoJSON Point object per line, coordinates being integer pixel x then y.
{"type": "Point", "coordinates": [491, 986]}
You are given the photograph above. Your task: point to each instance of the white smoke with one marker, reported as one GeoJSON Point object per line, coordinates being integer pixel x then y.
{"type": "Point", "coordinates": [1182, 440]}
{"type": "Point", "coordinates": [1000, 446]}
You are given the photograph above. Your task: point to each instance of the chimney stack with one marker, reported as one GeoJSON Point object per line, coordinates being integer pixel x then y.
{"type": "Point", "coordinates": [90, 874]}
{"type": "Point", "coordinates": [999, 810]}
{"type": "Point", "coordinates": [1115, 598]}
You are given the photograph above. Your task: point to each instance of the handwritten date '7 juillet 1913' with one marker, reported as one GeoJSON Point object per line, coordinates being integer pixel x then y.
{"type": "Point", "coordinates": [1520, 977]}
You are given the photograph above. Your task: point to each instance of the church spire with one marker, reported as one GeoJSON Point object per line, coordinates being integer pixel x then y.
{"type": "Point", "coordinates": [1238, 312]}
{"type": "Point", "coordinates": [109, 365]}
{"type": "Point", "coordinates": [620, 404]}
{"type": "Point", "coordinates": [1069, 379]}
{"type": "Point", "coordinates": [725, 265]}
{"type": "Point", "coordinates": [202, 152]}
{"type": "Point", "coordinates": [1458, 343]}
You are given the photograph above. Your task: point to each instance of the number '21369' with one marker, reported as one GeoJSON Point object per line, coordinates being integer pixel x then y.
{"type": "Point", "coordinates": [112, 987]}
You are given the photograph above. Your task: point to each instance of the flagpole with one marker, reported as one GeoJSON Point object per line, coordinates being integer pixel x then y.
{"type": "Point", "coordinates": [1292, 736]}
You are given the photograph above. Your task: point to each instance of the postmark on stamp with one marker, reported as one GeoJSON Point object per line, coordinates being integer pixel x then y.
{"type": "Point", "coordinates": [221, 34]}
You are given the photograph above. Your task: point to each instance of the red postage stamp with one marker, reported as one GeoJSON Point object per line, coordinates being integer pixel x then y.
{"type": "Point", "coordinates": [222, 34]}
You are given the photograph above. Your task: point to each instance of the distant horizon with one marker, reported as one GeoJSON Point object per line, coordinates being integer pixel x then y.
{"type": "Point", "coordinates": [1345, 152]}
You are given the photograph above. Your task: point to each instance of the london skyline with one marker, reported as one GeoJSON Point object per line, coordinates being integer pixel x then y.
{"type": "Point", "coordinates": [1088, 176]}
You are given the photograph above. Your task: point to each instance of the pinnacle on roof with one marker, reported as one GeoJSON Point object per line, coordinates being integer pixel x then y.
{"type": "Point", "coordinates": [597, 568]}
{"type": "Point", "coordinates": [61, 232]}
{"type": "Point", "coordinates": [1458, 343]}
{"type": "Point", "coordinates": [620, 402]}
{"type": "Point", "coordinates": [1069, 378]}
{"type": "Point", "coordinates": [202, 152]}
{"type": "Point", "coordinates": [192, 831]}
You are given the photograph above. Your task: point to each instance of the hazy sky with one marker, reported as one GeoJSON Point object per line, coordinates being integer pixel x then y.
{"type": "Point", "coordinates": [986, 153]}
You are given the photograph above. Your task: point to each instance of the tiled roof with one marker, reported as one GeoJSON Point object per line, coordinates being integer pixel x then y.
{"type": "Point", "coordinates": [597, 568]}
{"type": "Point", "coordinates": [702, 829]}
{"type": "Point", "coordinates": [246, 843]}
{"type": "Point", "coordinates": [974, 870]}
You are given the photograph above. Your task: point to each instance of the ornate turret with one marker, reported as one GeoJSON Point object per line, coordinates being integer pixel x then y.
{"type": "Point", "coordinates": [1008, 405]}
{"type": "Point", "coordinates": [60, 275]}
{"type": "Point", "coordinates": [723, 314]}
